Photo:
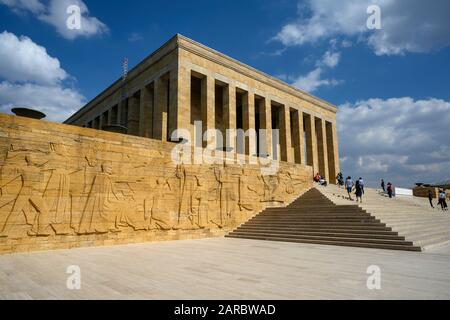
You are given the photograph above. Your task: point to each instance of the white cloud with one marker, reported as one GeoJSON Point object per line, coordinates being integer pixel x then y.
{"type": "Point", "coordinates": [407, 26]}
{"type": "Point", "coordinates": [33, 79]}
{"type": "Point", "coordinates": [54, 12]}
{"type": "Point", "coordinates": [23, 60]}
{"type": "Point", "coordinates": [399, 139]}
{"type": "Point", "coordinates": [330, 59]}
{"type": "Point", "coordinates": [18, 6]}
{"type": "Point", "coordinates": [57, 17]}
{"type": "Point", "coordinates": [313, 81]}
{"type": "Point", "coordinates": [56, 102]}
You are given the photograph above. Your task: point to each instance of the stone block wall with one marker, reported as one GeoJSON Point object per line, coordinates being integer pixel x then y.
{"type": "Point", "coordinates": [64, 186]}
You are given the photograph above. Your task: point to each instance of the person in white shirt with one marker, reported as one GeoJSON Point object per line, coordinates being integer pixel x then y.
{"type": "Point", "coordinates": [349, 186]}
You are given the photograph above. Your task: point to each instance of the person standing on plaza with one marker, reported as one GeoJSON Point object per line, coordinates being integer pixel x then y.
{"type": "Point", "coordinates": [359, 189]}
{"type": "Point", "coordinates": [340, 179]}
{"type": "Point", "coordinates": [390, 189]}
{"type": "Point", "coordinates": [361, 182]}
{"type": "Point", "coordinates": [430, 198]}
{"type": "Point", "coordinates": [349, 186]}
{"type": "Point", "coordinates": [442, 200]}
{"type": "Point", "coordinates": [383, 186]}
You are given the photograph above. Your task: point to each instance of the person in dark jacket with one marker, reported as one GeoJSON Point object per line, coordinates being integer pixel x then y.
{"type": "Point", "coordinates": [359, 190]}
{"type": "Point", "coordinates": [430, 198]}
{"type": "Point", "coordinates": [340, 179]}
{"type": "Point", "coordinates": [383, 186]}
{"type": "Point", "coordinates": [390, 189]}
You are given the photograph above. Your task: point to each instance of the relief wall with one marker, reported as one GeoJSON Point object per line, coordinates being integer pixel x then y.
{"type": "Point", "coordinates": [63, 187]}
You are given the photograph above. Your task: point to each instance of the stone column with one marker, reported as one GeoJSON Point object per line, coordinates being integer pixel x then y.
{"type": "Point", "coordinates": [333, 152]}
{"type": "Point", "coordinates": [298, 139]}
{"type": "Point", "coordinates": [146, 112]}
{"type": "Point", "coordinates": [229, 116]}
{"type": "Point", "coordinates": [110, 111]}
{"type": "Point", "coordinates": [100, 121]}
{"type": "Point", "coordinates": [266, 124]}
{"type": "Point", "coordinates": [322, 149]}
{"type": "Point", "coordinates": [161, 104]}
{"type": "Point", "coordinates": [133, 115]}
{"type": "Point", "coordinates": [179, 101]}
{"type": "Point", "coordinates": [311, 142]}
{"type": "Point", "coordinates": [302, 138]}
{"type": "Point", "coordinates": [248, 122]}
{"type": "Point", "coordinates": [285, 134]}
{"type": "Point", "coordinates": [119, 113]}
{"type": "Point", "coordinates": [208, 104]}
{"type": "Point", "coordinates": [183, 99]}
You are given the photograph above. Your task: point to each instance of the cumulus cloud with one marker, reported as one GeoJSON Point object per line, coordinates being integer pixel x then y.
{"type": "Point", "coordinates": [19, 6]}
{"type": "Point", "coordinates": [399, 139]}
{"type": "Point", "coordinates": [330, 59]}
{"type": "Point", "coordinates": [23, 60]}
{"type": "Point", "coordinates": [407, 26]}
{"type": "Point", "coordinates": [57, 17]}
{"type": "Point", "coordinates": [54, 13]}
{"type": "Point", "coordinates": [56, 102]}
{"type": "Point", "coordinates": [313, 81]}
{"type": "Point", "coordinates": [34, 79]}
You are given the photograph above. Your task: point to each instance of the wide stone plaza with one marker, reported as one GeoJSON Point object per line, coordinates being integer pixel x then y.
{"type": "Point", "coordinates": [224, 268]}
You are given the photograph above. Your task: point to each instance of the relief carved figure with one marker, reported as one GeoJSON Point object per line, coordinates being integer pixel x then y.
{"type": "Point", "coordinates": [157, 211]}
{"type": "Point", "coordinates": [29, 179]}
{"type": "Point", "coordinates": [184, 180]}
{"type": "Point", "coordinates": [199, 204]}
{"type": "Point", "coordinates": [226, 196]}
{"type": "Point", "coordinates": [102, 202]}
{"type": "Point", "coordinates": [57, 194]}
{"type": "Point", "coordinates": [249, 195]}
{"type": "Point", "coordinates": [127, 213]}
{"type": "Point", "coordinates": [271, 188]}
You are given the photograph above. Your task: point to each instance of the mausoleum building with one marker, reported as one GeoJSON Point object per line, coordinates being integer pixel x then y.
{"type": "Point", "coordinates": [184, 81]}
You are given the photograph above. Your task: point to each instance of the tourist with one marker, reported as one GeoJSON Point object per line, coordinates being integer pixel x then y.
{"type": "Point", "coordinates": [359, 189]}
{"type": "Point", "coordinates": [317, 177]}
{"type": "Point", "coordinates": [349, 185]}
{"type": "Point", "coordinates": [442, 200]}
{"type": "Point", "coordinates": [383, 186]}
{"type": "Point", "coordinates": [390, 189]}
{"type": "Point", "coordinates": [430, 198]}
{"type": "Point", "coordinates": [361, 182]}
{"type": "Point", "coordinates": [340, 179]}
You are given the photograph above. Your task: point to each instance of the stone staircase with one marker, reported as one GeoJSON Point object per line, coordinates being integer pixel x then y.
{"type": "Point", "coordinates": [411, 217]}
{"type": "Point", "coordinates": [313, 218]}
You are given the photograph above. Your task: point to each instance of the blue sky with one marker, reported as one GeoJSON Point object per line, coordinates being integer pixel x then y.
{"type": "Point", "coordinates": [391, 85]}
